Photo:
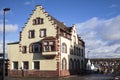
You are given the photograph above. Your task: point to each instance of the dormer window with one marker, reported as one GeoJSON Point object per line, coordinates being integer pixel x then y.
{"type": "Point", "coordinates": [37, 21]}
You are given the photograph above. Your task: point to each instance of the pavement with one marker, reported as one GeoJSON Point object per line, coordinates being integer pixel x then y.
{"type": "Point", "coordinates": [73, 77]}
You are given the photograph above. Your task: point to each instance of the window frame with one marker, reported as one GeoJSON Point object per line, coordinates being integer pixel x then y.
{"type": "Point", "coordinates": [64, 48]}
{"type": "Point", "coordinates": [34, 67]}
{"type": "Point", "coordinates": [32, 48]}
{"type": "Point", "coordinates": [15, 67]}
{"type": "Point", "coordinates": [42, 34]}
{"type": "Point", "coordinates": [50, 47]}
{"type": "Point", "coordinates": [36, 46]}
{"type": "Point", "coordinates": [24, 67]}
{"type": "Point", "coordinates": [64, 64]}
{"type": "Point", "coordinates": [24, 49]}
{"type": "Point", "coordinates": [38, 21]}
{"type": "Point", "coordinates": [31, 34]}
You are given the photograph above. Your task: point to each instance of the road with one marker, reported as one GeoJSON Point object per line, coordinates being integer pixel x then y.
{"type": "Point", "coordinates": [73, 77]}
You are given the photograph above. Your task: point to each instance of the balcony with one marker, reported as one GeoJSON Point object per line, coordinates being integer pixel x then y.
{"type": "Point", "coordinates": [49, 54]}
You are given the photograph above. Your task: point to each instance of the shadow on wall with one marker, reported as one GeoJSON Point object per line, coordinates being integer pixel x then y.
{"type": "Point", "coordinates": [37, 56]}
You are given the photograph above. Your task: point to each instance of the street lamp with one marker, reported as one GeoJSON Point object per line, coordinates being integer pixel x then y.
{"type": "Point", "coordinates": [4, 10]}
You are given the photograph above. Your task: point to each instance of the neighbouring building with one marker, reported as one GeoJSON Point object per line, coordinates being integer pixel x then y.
{"type": "Point", "coordinates": [46, 48]}
{"type": "Point", "coordinates": [107, 65]}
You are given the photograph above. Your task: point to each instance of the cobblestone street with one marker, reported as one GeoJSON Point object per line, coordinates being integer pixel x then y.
{"type": "Point", "coordinates": [74, 77]}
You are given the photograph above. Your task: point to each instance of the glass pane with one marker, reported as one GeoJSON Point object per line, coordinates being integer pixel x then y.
{"type": "Point", "coordinates": [52, 47]}
{"type": "Point", "coordinates": [36, 48]}
{"type": "Point", "coordinates": [46, 48]}
{"type": "Point", "coordinates": [32, 34]}
{"type": "Point", "coordinates": [43, 32]}
{"type": "Point", "coordinates": [15, 65]}
{"type": "Point", "coordinates": [25, 65]}
{"type": "Point", "coordinates": [51, 43]}
{"type": "Point", "coordinates": [36, 65]}
{"type": "Point", "coordinates": [45, 43]}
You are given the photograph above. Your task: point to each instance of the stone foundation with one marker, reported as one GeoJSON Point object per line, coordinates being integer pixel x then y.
{"type": "Point", "coordinates": [32, 73]}
{"type": "Point", "coordinates": [39, 73]}
{"type": "Point", "coordinates": [64, 73]}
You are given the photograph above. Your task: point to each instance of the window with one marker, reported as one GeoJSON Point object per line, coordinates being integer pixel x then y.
{"type": "Point", "coordinates": [49, 46]}
{"type": "Point", "coordinates": [25, 65]}
{"type": "Point", "coordinates": [46, 46]}
{"type": "Point", "coordinates": [64, 64]}
{"type": "Point", "coordinates": [36, 48]}
{"type": "Point", "coordinates": [71, 51]}
{"type": "Point", "coordinates": [64, 48]}
{"type": "Point", "coordinates": [74, 39]}
{"type": "Point", "coordinates": [24, 49]}
{"type": "Point", "coordinates": [68, 36]}
{"type": "Point", "coordinates": [79, 52]}
{"type": "Point", "coordinates": [71, 64]}
{"type": "Point", "coordinates": [82, 52]}
{"type": "Point", "coordinates": [37, 21]}
{"type": "Point", "coordinates": [34, 21]}
{"type": "Point", "coordinates": [31, 34]}
{"type": "Point", "coordinates": [15, 65]}
{"type": "Point", "coordinates": [75, 65]}
{"type": "Point", "coordinates": [42, 32]}
{"type": "Point", "coordinates": [78, 65]}
{"type": "Point", "coordinates": [36, 65]}
{"type": "Point", "coordinates": [74, 50]}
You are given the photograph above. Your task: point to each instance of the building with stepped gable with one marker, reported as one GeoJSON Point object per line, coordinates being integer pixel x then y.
{"type": "Point", "coordinates": [46, 48]}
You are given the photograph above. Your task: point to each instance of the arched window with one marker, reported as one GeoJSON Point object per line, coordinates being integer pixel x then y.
{"type": "Point", "coordinates": [75, 65]}
{"type": "Point", "coordinates": [64, 64]}
{"type": "Point", "coordinates": [78, 65]}
{"type": "Point", "coordinates": [64, 48]}
{"type": "Point", "coordinates": [82, 64]}
{"type": "Point", "coordinates": [71, 64]}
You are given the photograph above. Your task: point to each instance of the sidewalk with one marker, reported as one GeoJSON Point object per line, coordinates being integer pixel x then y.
{"type": "Point", "coordinates": [43, 78]}
{"type": "Point", "coordinates": [29, 78]}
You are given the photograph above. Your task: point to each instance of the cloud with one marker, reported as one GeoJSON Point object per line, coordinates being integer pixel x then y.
{"type": "Point", "coordinates": [101, 36]}
{"type": "Point", "coordinates": [27, 3]}
{"type": "Point", "coordinates": [1, 12]}
{"type": "Point", "coordinates": [1, 45]}
{"type": "Point", "coordinates": [113, 6]}
{"type": "Point", "coordinates": [9, 27]}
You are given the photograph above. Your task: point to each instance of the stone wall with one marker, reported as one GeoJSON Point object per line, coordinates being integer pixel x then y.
{"type": "Point", "coordinates": [32, 73]}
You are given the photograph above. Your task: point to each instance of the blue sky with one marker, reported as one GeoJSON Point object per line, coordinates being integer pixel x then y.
{"type": "Point", "coordinates": [97, 21]}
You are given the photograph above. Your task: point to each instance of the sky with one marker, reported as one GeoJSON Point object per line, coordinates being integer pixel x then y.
{"type": "Point", "coordinates": [97, 22]}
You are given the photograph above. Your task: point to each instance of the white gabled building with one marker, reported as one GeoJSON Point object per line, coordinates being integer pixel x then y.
{"type": "Point", "coordinates": [47, 47]}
